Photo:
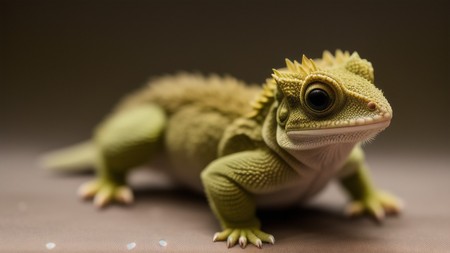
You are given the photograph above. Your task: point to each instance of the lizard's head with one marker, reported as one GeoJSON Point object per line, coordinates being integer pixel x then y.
{"type": "Point", "coordinates": [328, 101]}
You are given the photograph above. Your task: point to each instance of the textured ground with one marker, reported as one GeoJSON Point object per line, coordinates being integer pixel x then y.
{"type": "Point", "coordinates": [38, 208]}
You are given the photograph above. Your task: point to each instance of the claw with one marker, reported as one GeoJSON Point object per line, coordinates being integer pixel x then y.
{"type": "Point", "coordinates": [222, 236]}
{"type": "Point", "coordinates": [100, 201]}
{"type": "Point", "coordinates": [271, 239]}
{"type": "Point", "coordinates": [259, 243]}
{"type": "Point", "coordinates": [229, 242]}
{"type": "Point", "coordinates": [88, 189]}
{"type": "Point", "coordinates": [124, 195]}
{"type": "Point", "coordinates": [216, 235]}
{"type": "Point", "coordinates": [243, 241]}
{"type": "Point", "coordinates": [103, 197]}
{"type": "Point", "coordinates": [391, 204]}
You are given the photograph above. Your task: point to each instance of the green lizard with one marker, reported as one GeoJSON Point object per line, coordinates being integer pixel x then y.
{"type": "Point", "coordinates": [304, 128]}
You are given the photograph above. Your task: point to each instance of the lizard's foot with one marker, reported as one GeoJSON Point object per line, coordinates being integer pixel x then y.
{"type": "Point", "coordinates": [243, 235]}
{"type": "Point", "coordinates": [105, 192]}
{"type": "Point", "coordinates": [377, 205]}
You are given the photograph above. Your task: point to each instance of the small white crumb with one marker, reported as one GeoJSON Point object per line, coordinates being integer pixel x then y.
{"type": "Point", "coordinates": [131, 245]}
{"type": "Point", "coordinates": [162, 243]}
{"type": "Point", "coordinates": [50, 245]}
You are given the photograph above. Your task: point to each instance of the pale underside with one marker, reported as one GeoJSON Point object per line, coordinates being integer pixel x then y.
{"type": "Point", "coordinates": [319, 157]}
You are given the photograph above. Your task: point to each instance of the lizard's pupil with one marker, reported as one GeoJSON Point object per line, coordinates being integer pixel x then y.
{"type": "Point", "coordinates": [318, 100]}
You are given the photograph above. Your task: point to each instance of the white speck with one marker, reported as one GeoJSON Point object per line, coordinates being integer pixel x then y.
{"type": "Point", "coordinates": [162, 243]}
{"type": "Point", "coordinates": [22, 206]}
{"type": "Point", "coordinates": [131, 245]}
{"type": "Point", "coordinates": [50, 245]}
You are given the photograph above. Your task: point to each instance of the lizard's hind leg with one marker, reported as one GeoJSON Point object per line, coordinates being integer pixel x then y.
{"type": "Point", "coordinates": [125, 140]}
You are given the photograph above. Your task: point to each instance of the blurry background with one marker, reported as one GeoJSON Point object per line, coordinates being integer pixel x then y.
{"type": "Point", "coordinates": [64, 64]}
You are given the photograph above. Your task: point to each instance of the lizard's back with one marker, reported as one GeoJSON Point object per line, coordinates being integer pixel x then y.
{"type": "Point", "coordinates": [198, 109]}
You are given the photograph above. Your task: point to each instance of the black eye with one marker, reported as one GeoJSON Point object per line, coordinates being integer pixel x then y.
{"type": "Point", "coordinates": [318, 99]}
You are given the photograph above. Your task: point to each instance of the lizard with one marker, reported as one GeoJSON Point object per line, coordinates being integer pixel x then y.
{"type": "Point", "coordinates": [246, 146]}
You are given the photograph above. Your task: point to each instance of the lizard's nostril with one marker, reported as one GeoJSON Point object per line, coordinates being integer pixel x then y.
{"type": "Point", "coordinates": [372, 106]}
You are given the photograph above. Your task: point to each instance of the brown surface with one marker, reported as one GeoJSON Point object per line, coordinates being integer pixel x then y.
{"type": "Point", "coordinates": [38, 207]}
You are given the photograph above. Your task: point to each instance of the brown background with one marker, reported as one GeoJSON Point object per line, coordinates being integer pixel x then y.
{"type": "Point", "coordinates": [64, 64]}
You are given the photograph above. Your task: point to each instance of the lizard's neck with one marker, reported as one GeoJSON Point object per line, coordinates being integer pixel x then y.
{"type": "Point", "coordinates": [330, 157]}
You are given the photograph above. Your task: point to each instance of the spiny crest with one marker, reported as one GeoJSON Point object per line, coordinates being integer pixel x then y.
{"type": "Point", "coordinates": [339, 58]}
{"type": "Point", "coordinates": [288, 79]}
{"type": "Point", "coordinates": [296, 70]}
{"type": "Point", "coordinates": [265, 97]}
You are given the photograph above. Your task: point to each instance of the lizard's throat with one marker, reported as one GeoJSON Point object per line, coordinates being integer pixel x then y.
{"type": "Point", "coordinates": [325, 147]}
{"type": "Point", "coordinates": [316, 153]}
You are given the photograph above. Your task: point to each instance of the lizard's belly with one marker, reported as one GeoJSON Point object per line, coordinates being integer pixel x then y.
{"type": "Point", "coordinates": [316, 170]}
{"type": "Point", "coordinates": [309, 185]}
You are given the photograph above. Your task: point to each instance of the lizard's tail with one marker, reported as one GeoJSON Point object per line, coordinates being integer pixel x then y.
{"type": "Point", "coordinates": [77, 158]}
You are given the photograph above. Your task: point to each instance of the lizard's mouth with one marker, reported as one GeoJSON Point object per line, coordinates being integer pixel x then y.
{"type": "Point", "coordinates": [338, 130]}
{"type": "Point", "coordinates": [314, 138]}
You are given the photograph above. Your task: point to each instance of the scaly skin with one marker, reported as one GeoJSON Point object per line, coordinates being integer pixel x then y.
{"type": "Point", "coordinates": [301, 130]}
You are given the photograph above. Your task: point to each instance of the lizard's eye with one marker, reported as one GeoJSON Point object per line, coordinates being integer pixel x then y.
{"type": "Point", "coordinates": [319, 97]}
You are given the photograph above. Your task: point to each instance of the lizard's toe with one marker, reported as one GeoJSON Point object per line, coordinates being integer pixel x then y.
{"type": "Point", "coordinates": [264, 236]}
{"type": "Point", "coordinates": [375, 210]}
{"type": "Point", "coordinates": [243, 239]}
{"type": "Point", "coordinates": [233, 238]}
{"type": "Point", "coordinates": [88, 189]}
{"type": "Point", "coordinates": [123, 194]}
{"type": "Point", "coordinates": [254, 239]}
{"type": "Point", "coordinates": [355, 208]}
{"type": "Point", "coordinates": [390, 203]}
{"type": "Point", "coordinates": [104, 196]}
{"type": "Point", "coordinates": [222, 236]}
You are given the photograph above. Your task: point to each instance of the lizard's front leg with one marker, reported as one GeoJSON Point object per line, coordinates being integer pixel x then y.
{"type": "Point", "coordinates": [231, 183]}
{"type": "Point", "coordinates": [366, 198]}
